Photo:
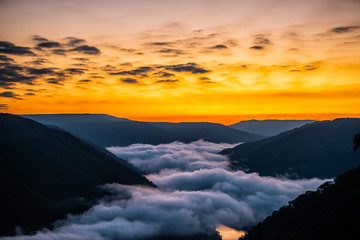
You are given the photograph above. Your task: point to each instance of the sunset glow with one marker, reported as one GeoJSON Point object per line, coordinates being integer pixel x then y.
{"type": "Point", "coordinates": [219, 61]}
{"type": "Point", "coordinates": [227, 233]}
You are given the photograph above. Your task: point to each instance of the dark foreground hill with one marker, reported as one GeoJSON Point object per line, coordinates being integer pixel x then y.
{"type": "Point", "coordinates": [330, 213]}
{"type": "Point", "coordinates": [321, 149]}
{"type": "Point", "coordinates": [269, 127]}
{"type": "Point", "coordinates": [106, 131]}
{"type": "Point", "coordinates": [46, 173]}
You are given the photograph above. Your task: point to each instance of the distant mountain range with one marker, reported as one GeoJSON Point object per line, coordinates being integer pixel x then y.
{"type": "Point", "coordinates": [330, 213]}
{"type": "Point", "coordinates": [213, 132]}
{"type": "Point", "coordinates": [269, 127]}
{"type": "Point", "coordinates": [47, 173]}
{"type": "Point", "coordinates": [106, 131]}
{"type": "Point", "coordinates": [320, 149]}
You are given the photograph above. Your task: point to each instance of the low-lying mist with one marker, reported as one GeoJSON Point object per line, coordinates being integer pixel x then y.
{"type": "Point", "coordinates": [197, 192]}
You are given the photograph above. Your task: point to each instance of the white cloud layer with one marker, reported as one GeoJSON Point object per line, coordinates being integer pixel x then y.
{"type": "Point", "coordinates": [197, 193]}
{"type": "Point", "coordinates": [174, 156]}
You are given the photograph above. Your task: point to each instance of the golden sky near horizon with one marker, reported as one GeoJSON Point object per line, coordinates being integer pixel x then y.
{"type": "Point", "coordinates": [166, 60]}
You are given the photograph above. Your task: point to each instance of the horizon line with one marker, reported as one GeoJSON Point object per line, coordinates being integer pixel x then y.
{"type": "Point", "coordinates": [222, 119]}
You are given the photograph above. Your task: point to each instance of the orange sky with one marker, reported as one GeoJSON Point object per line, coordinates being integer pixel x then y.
{"type": "Point", "coordinates": [157, 60]}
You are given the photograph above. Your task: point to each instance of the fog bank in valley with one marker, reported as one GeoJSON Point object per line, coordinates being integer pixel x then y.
{"type": "Point", "coordinates": [197, 192]}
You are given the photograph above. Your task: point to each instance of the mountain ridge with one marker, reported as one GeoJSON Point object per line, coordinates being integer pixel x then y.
{"type": "Point", "coordinates": [269, 127]}
{"type": "Point", "coordinates": [127, 132]}
{"type": "Point", "coordinates": [320, 149]}
{"type": "Point", "coordinates": [47, 173]}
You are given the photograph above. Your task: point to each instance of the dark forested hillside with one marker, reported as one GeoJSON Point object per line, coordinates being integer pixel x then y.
{"type": "Point", "coordinates": [46, 173]}
{"type": "Point", "coordinates": [331, 212]}
{"type": "Point", "coordinates": [321, 149]}
{"type": "Point", "coordinates": [269, 127]}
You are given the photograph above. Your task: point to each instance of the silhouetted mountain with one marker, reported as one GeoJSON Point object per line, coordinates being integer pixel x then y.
{"type": "Point", "coordinates": [58, 119]}
{"type": "Point", "coordinates": [46, 173]}
{"type": "Point", "coordinates": [331, 212]}
{"type": "Point", "coordinates": [213, 132]}
{"type": "Point", "coordinates": [106, 131]}
{"type": "Point", "coordinates": [320, 149]}
{"type": "Point", "coordinates": [269, 127]}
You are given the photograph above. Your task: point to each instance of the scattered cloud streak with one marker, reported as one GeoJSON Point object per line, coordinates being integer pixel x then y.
{"type": "Point", "coordinates": [167, 81]}
{"type": "Point", "coordinates": [140, 72]}
{"type": "Point", "coordinates": [86, 49]}
{"type": "Point", "coordinates": [129, 80]}
{"type": "Point", "coordinates": [9, 94]}
{"type": "Point", "coordinates": [4, 106]}
{"type": "Point", "coordinates": [345, 29]}
{"type": "Point", "coordinates": [48, 45]}
{"type": "Point", "coordinates": [219, 47]}
{"type": "Point", "coordinates": [10, 48]}
{"type": "Point", "coordinates": [190, 67]}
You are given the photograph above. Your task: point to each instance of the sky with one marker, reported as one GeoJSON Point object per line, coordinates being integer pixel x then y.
{"type": "Point", "coordinates": [190, 60]}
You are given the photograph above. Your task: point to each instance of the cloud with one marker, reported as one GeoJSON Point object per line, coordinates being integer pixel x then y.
{"type": "Point", "coordinates": [4, 58]}
{"type": "Point", "coordinates": [219, 47]}
{"type": "Point", "coordinates": [9, 94]}
{"type": "Point", "coordinates": [40, 71]}
{"type": "Point", "coordinates": [39, 61]}
{"type": "Point", "coordinates": [4, 106]}
{"type": "Point", "coordinates": [129, 80]}
{"type": "Point", "coordinates": [140, 213]}
{"type": "Point", "coordinates": [11, 74]}
{"type": "Point", "coordinates": [140, 72]}
{"type": "Point", "coordinates": [82, 59]}
{"type": "Point", "coordinates": [170, 52]}
{"type": "Point", "coordinates": [84, 81]}
{"type": "Point", "coordinates": [55, 81]}
{"type": "Point", "coordinates": [6, 85]}
{"type": "Point", "coordinates": [167, 81]}
{"type": "Point", "coordinates": [188, 67]}
{"type": "Point", "coordinates": [86, 49]}
{"type": "Point", "coordinates": [126, 64]}
{"type": "Point", "coordinates": [109, 68]}
{"type": "Point", "coordinates": [48, 45]}
{"type": "Point", "coordinates": [73, 41]}
{"type": "Point", "coordinates": [160, 43]}
{"type": "Point", "coordinates": [75, 70]}
{"type": "Point", "coordinates": [344, 29]}
{"type": "Point", "coordinates": [97, 77]}
{"type": "Point", "coordinates": [261, 39]}
{"type": "Point", "coordinates": [10, 48]}
{"type": "Point", "coordinates": [205, 80]}
{"type": "Point", "coordinates": [185, 157]}
{"type": "Point", "coordinates": [196, 194]}
{"type": "Point", "coordinates": [310, 67]}
{"type": "Point", "coordinates": [38, 38]}
{"type": "Point", "coordinates": [163, 74]}
{"type": "Point", "coordinates": [143, 71]}
{"type": "Point", "coordinates": [256, 47]}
